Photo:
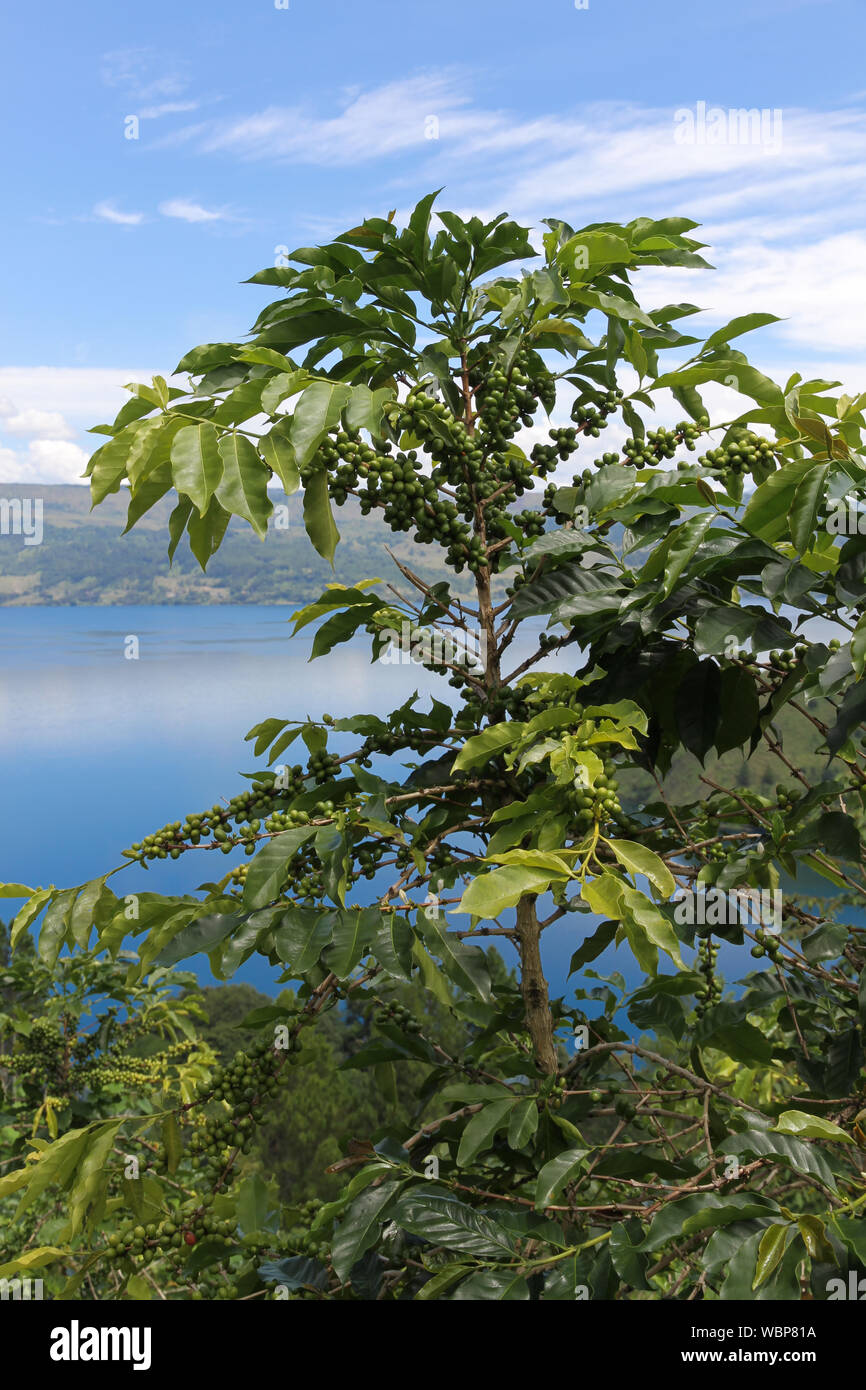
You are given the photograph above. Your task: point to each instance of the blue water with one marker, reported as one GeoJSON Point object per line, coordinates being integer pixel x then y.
{"type": "Point", "coordinates": [98, 749]}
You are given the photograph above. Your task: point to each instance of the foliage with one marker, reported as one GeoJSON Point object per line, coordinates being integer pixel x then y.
{"type": "Point", "coordinates": [700, 1142]}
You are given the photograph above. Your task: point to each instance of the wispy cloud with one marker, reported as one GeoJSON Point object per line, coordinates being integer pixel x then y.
{"type": "Point", "coordinates": [371, 124]}
{"type": "Point", "coordinates": [188, 211]}
{"type": "Point", "coordinates": [783, 208]}
{"type": "Point", "coordinates": [145, 73]}
{"type": "Point", "coordinates": [109, 213]}
{"type": "Point", "coordinates": [167, 108]}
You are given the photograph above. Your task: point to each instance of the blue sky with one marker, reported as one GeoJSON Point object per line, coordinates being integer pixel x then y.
{"type": "Point", "coordinates": [260, 127]}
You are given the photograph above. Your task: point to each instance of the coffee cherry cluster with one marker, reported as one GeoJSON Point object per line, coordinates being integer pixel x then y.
{"type": "Point", "coordinates": [171, 1236]}
{"type": "Point", "coordinates": [588, 421]}
{"type": "Point", "coordinates": [556, 1099]}
{"type": "Point", "coordinates": [739, 456]}
{"type": "Point", "coordinates": [502, 702]}
{"type": "Point", "coordinates": [659, 444]}
{"type": "Point", "coordinates": [655, 447]}
{"type": "Point", "coordinates": [323, 766]}
{"type": "Point", "coordinates": [395, 482]}
{"type": "Point", "coordinates": [766, 944]}
{"type": "Point", "coordinates": [245, 1084]}
{"type": "Point", "coordinates": [786, 800]}
{"type": "Point", "coordinates": [299, 1239]}
{"type": "Point", "coordinates": [710, 992]}
{"type": "Point", "coordinates": [788, 660]}
{"type": "Point", "coordinates": [278, 821]}
{"type": "Point", "coordinates": [58, 1061]}
{"type": "Point", "coordinates": [392, 1011]}
{"type": "Point", "coordinates": [240, 821]}
{"type": "Point", "coordinates": [598, 802]}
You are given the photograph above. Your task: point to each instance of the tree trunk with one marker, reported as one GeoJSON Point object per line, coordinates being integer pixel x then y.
{"type": "Point", "coordinates": [534, 987]}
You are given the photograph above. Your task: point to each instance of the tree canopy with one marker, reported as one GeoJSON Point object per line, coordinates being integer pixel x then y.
{"type": "Point", "coordinates": [681, 1138]}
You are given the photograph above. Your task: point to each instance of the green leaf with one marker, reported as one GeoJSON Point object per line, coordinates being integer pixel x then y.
{"type": "Point", "coordinates": [523, 1122]}
{"type": "Point", "coordinates": [172, 1142]}
{"type": "Point", "coordinates": [201, 935]}
{"type": "Point", "coordinates": [318, 411]}
{"type": "Point", "coordinates": [445, 1221]}
{"type": "Point", "coordinates": [350, 938]}
{"type": "Point", "coordinates": [738, 1284]}
{"type": "Point", "coordinates": [206, 532]}
{"type": "Point", "coordinates": [463, 962]}
{"type": "Point", "coordinates": [254, 1204]}
{"type": "Point", "coordinates": [766, 514]}
{"type": "Point", "coordinates": [724, 1028]}
{"type": "Point", "coordinates": [858, 646]}
{"type": "Point", "coordinates": [442, 1280]}
{"type": "Point", "coordinates": [740, 709]}
{"type": "Point", "coordinates": [641, 914]}
{"type": "Point", "coordinates": [479, 1132]}
{"type": "Point", "coordinates": [318, 517]}
{"type": "Point", "coordinates": [365, 409]}
{"type": "Point", "coordinates": [640, 860]}
{"type": "Point", "coordinates": [770, 1252]}
{"type": "Point", "coordinates": [717, 1211]}
{"type": "Point", "coordinates": [392, 945]}
{"type": "Point", "coordinates": [177, 524]}
{"type": "Point", "coordinates": [806, 506]}
{"type": "Point", "coordinates": [279, 455]}
{"type": "Point", "coordinates": [36, 1258]}
{"type": "Point", "coordinates": [782, 1148]}
{"type": "Point", "coordinates": [493, 1285]}
{"type": "Point", "coordinates": [302, 935]}
{"type": "Point", "coordinates": [627, 1259]}
{"type": "Point", "coordinates": [267, 872]}
{"type": "Point", "coordinates": [479, 749]}
{"type": "Point", "coordinates": [360, 1227]}
{"type": "Point", "coordinates": [243, 488]}
{"type": "Point", "coordinates": [604, 895]}
{"type": "Point", "coordinates": [745, 323]}
{"type": "Point", "coordinates": [491, 893]}
{"type": "Point", "coordinates": [52, 933]}
{"type": "Point", "coordinates": [196, 463]}
{"type": "Point", "coordinates": [674, 554]}
{"type": "Point", "coordinates": [814, 1236]}
{"type": "Point", "coordinates": [556, 1173]}
{"type": "Point", "coordinates": [809, 1126]}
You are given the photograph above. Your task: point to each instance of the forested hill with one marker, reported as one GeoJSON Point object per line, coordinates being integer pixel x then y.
{"type": "Point", "coordinates": [84, 559]}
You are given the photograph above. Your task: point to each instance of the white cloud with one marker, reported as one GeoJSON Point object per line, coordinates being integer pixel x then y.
{"type": "Point", "coordinates": [187, 211]}
{"type": "Point", "coordinates": [38, 422]}
{"type": "Point", "coordinates": [818, 287]}
{"type": "Point", "coordinates": [59, 404]}
{"type": "Point", "coordinates": [109, 213]}
{"type": "Point", "coordinates": [44, 461]}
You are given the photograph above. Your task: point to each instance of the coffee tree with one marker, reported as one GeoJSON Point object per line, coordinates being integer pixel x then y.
{"type": "Point", "coordinates": [79, 1045]}
{"type": "Point", "coordinates": [670, 1138]}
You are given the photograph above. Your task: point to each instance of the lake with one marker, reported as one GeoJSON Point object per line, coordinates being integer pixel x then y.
{"type": "Point", "coordinates": [99, 749]}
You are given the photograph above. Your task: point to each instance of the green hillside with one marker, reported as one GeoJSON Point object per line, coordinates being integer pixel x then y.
{"type": "Point", "coordinates": [85, 559]}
